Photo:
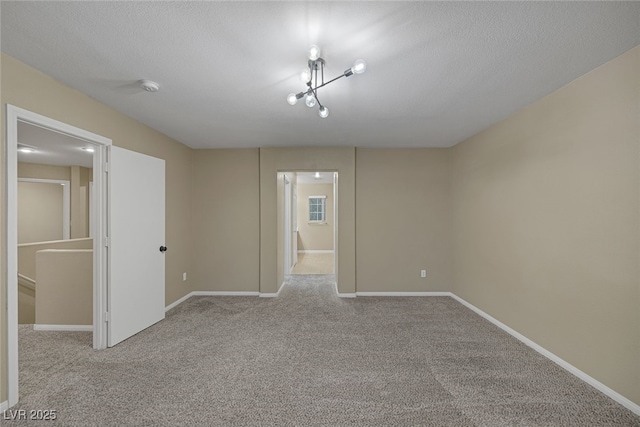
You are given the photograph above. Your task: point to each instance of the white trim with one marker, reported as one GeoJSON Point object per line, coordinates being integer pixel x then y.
{"type": "Point", "coordinates": [22, 245]}
{"type": "Point", "coordinates": [323, 251]}
{"type": "Point", "coordinates": [27, 282]}
{"type": "Point", "coordinates": [562, 363]}
{"type": "Point", "coordinates": [100, 225]}
{"type": "Point", "coordinates": [13, 116]}
{"type": "Point", "coordinates": [4, 406]}
{"type": "Point", "coordinates": [73, 328]}
{"type": "Point", "coordinates": [178, 302]}
{"type": "Point", "coordinates": [66, 201]}
{"type": "Point", "coordinates": [91, 208]}
{"type": "Point", "coordinates": [11, 207]}
{"type": "Point", "coordinates": [225, 293]}
{"type": "Point", "coordinates": [272, 294]}
{"type": "Point", "coordinates": [211, 294]}
{"type": "Point", "coordinates": [404, 294]}
{"type": "Point", "coordinates": [350, 295]}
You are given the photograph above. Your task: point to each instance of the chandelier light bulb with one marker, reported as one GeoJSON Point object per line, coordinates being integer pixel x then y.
{"type": "Point", "coordinates": [359, 66]}
{"type": "Point", "coordinates": [292, 99]}
{"type": "Point", "coordinates": [313, 78]}
{"type": "Point", "coordinates": [314, 52]}
{"type": "Point", "coordinates": [305, 75]}
{"type": "Point", "coordinates": [310, 100]}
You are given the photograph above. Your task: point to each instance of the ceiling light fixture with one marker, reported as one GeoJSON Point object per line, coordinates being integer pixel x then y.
{"type": "Point", "coordinates": [88, 149]}
{"type": "Point", "coordinates": [24, 148]}
{"type": "Point", "coordinates": [309, 76]}
{"type": "Point", "coordinates": [149, 85]}
{"type": "Point", "coordinates": [317, 175]}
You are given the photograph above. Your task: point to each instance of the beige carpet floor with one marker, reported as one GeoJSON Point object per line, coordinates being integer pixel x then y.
{"type": "Point", "coordinates": [307, 358]}
{"type": "Point", "coordinates": [311, 263]}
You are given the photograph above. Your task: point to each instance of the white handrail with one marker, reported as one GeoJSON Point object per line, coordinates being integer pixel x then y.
{"type": "Point", "coordinates": [26, 281]}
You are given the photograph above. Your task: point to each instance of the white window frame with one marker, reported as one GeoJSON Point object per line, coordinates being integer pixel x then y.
{"type": "Point", "coordinates": [324, 210]}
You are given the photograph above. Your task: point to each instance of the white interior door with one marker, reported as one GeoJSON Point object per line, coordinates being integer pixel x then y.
{"type": "Point", "coordinates": [136, 286]}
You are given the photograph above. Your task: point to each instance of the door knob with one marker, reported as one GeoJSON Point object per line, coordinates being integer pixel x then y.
{"type": "Point", "coordinates": [163, 249]}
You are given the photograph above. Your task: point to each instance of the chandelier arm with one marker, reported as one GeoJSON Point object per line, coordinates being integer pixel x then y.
{"type": "Point", "coordinates": [315, 95]}
{"type": "Point", "coordinates": [330, 81]}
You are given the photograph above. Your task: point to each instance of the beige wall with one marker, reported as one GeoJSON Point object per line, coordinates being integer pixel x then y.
{"type": "Point", "coordinates": [64, 293]}
{"type": "Point", "coordinates": [33, 170]}
{"type": "Point", "coordinates": [274, 160]}
{"type": "Point", "coordinates": [40, 207]}
{"type": "Point", "coordinates": [27, 268]}
{"type": "Point", "coordinates": [27, 253]}
{"type": "Point", "coordinates": [226, 217]}
{"type": "Point", "coordinates": [314, 236]}
{"type": "Point", "coordinates": [547, 223]}
{"type": "Point", "coordinates": [403, 219]}
{"type": "Point", "coordinates": [32, 90]}
{"type": "Point", "coordinates": [79, 178]}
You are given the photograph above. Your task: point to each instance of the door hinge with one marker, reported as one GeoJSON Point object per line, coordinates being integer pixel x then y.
{"type": "Point", "coordinates": [107, 317]}
{"type": "Point", "coordinates": [106, 242]}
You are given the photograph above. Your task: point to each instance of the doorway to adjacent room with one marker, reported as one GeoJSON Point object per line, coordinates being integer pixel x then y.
{"type": "Point", "coordinates": [310, 222]}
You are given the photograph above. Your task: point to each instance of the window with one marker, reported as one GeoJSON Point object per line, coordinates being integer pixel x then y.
{"type": "Point", "coordinates": [317, 208]}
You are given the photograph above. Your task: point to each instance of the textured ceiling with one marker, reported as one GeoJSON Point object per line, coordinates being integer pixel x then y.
{"type": "Point", "coordinates": [438, 72]}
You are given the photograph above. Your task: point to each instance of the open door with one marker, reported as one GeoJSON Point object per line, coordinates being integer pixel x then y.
{"type": "Point", "coordinates": [136, 285]}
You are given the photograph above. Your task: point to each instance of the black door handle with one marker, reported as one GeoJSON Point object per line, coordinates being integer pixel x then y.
{"type": "Point", "coordinates": [163, 249]}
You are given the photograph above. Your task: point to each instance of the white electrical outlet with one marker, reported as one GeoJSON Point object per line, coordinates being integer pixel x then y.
{"type": "Point", "coordinates": [423, 273]}
{"type": "Point", "coordinates": [184, 277]}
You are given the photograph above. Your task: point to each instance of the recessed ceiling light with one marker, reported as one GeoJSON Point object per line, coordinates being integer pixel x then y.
{"type": "Point", "coordinates": [88, 149]}
{"type": "Point", "coordinates": [317, 175]}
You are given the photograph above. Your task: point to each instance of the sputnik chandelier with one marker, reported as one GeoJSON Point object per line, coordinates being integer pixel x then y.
{"type": "Point", "coordinates": [310, 77]}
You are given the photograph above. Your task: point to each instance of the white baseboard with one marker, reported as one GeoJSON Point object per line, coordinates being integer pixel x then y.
{"type": "Point", "coordinates": [178, 302]}
{"type": "Point", "coordinates": [345, 295]}
{"type": "Point", "coordinates": [4, 406]}
{"type": "Point", "coordinates": [69, 328]}
{"type": "Point", "coordinates": [225, 293]}
{"type": "Point", "coordinates": [316, 252]}
{"type": "Point", "coordinates": [272, 294]}
{"type": "Point", "coordinates": [562, 363]}
{"type": "Point", "coordinates": [211, 294]}
{"type": "Point", "coordinates": [403, 294]}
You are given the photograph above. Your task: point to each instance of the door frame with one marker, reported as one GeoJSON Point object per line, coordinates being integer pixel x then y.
{"type": "Point", "coordinates": [287, 225]}
{"type": "Point", "coordinates": [13, 116]}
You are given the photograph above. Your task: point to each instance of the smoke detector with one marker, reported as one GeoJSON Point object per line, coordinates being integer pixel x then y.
{"type": "Point", "coordinates": [149, 85]}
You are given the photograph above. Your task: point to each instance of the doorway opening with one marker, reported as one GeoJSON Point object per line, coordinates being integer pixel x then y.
{"type": "Point", "coordinates": [51, 143]}
{"type": "Point", "coordinates": [55, 249]}
{"type": "Point", "coordinates": [310, 222]}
